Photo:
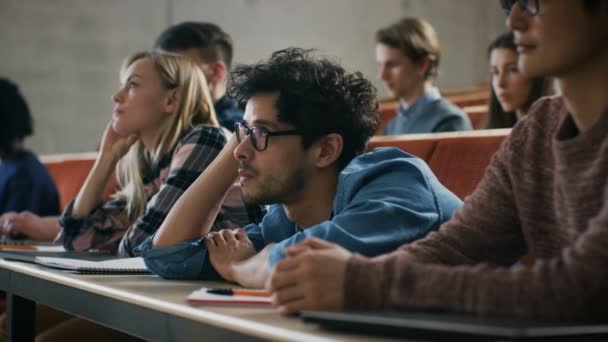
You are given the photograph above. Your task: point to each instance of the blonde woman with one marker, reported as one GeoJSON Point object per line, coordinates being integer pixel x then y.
{"type": "Point", "coordinates": [162, 135]}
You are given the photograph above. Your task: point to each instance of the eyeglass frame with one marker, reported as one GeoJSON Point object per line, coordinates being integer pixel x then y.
{"type": "Point", "coordinates": [507, 6]}
{"type": "Point", "coordinates": [266, 134]}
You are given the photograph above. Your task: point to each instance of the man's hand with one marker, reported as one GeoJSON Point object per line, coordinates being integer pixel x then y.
{"type": "Point", "coordinates": [310, 278]}
{"type": "Point", "coordinates": [30, 225]}
{"type": "Point", "coordinates": [227, 247]}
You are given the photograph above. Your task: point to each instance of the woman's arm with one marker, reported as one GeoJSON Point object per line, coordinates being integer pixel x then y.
{"type": "Point", "coordinates": [88, 223]}
{"type": "Point", "coordinates": [190, 158]}
{"type": "Point", "coordinates": [113, 147]}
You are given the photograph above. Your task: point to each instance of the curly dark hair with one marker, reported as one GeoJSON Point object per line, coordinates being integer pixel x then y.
{"type": "Point", "coordinates": [15, 117]}
{"type": "Point", "coordinates": [316, 95]}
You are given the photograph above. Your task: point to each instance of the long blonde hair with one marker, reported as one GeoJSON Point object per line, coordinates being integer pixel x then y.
{"type": "Point", "coordinates": [193, 108]}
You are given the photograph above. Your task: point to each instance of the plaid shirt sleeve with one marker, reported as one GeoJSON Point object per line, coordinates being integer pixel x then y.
{"type": "Point", "coordinates": [191, 157]}
{"type": "Point", "coordinates": [109, 229]}
{"type": "Point", "coordinates": [101, 229]}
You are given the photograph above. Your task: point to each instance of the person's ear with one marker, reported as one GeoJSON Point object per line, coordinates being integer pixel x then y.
{"type": "Point", "coordinates": [215, 72]}
{"type": "Point", "coordinates": [170, 101]}
{"type": "Point", "coordinates": [424, 67]}
{"type": "Point", "coordinates": [328, 150]}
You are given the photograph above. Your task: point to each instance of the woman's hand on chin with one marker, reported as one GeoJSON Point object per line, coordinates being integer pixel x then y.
{"type": "Point", "coordinates": [114, 145]}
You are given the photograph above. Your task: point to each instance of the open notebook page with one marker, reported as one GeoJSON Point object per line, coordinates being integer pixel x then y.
{"type": "Point", "coordinates": [123, 265]}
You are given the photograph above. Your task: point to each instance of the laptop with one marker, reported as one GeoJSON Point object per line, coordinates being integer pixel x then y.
{"type": "Point", "coordinates": [449, 326]}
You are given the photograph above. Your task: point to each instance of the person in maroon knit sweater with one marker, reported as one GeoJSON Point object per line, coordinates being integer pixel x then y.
{"type": "Point", "coordinates": [545, 195]}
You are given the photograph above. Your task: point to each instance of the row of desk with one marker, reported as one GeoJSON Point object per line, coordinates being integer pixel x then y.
{"type": "Point", "coordinates": [145, 306]}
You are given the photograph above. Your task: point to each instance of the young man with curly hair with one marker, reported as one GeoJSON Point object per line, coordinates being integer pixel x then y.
{"type": "Point", "coordinates": [299, 149]}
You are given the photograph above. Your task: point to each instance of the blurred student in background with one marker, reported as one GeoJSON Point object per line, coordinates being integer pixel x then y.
{"type": "Point", "coordinates": [212, 49]}
{"type": "Point", "coordinates": [408, 55]}
{"type": "Point", "coordinates": [512, 93]}
{"type": "Point", "coordinates": [26, 187]}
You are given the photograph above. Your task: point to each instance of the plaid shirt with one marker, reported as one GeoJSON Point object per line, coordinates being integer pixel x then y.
{"type": "Point", "coordinates": [107, 226]}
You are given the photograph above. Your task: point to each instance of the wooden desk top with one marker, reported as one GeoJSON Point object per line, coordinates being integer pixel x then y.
{"type": "Point", "coordinates": [167, 296]}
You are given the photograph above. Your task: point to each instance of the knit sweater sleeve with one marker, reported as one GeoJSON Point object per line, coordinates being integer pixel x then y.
{"type": "Point", "coordinates": [486, 228]}
{"type": "Point", "coordinates": [472, 253]}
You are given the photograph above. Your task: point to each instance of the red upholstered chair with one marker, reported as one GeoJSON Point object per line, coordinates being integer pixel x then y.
{"type": "Point", "coordinates": [469, 97]}
{"type": "Point", "coordinates": [469, 100]}
{"type": "Point", "coordinates": [419, 145]}
{"type": "Point", "coordinates": [69, 171]}
{"type": "Point", "coordinates": [387, 112]}
{"type": "Point", "coordinates": [477, 115]}
{"type": "Point", "coordinates": [482, 89]}
{"type": "Point", "coordinates": [460, 162]}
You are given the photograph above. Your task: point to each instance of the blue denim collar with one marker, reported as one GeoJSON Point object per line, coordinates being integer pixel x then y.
{"type": "Point", "coordinates": [429, 96]}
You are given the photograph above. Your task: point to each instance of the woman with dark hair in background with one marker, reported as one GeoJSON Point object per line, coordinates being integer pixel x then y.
{"type": "Point", "coordinates": [25, 184]}
{"type": "Point", "coordinates": [512, 94]}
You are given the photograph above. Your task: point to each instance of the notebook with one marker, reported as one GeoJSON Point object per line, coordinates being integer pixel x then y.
{"type": "Point", "coordinates": [429, 325]}
{"type": "Point", "coordinates": [201, 296]}
{"type": "Point", "coordinates": [81, 262]}
{"type": "Point", "coordinates": [124, 265]}
{"type": "Point", "coordinates": [29, 255]}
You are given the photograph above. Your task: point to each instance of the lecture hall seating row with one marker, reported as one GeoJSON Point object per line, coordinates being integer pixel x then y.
{"type": "Point", "coordinates": [70, 170]}
{"type": "Point", "coordinates": [473, 101]}
{"type": "Point", "coordinates": [458, 159]}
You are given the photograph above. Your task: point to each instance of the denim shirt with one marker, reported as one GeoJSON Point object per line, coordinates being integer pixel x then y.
{"type": "Point", "coordinates": [428, 114]}
{"type": "Point", "coordinates": [384, 198]}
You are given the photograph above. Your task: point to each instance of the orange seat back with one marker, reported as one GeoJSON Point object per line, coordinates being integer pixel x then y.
{"type": "Point", "coordinates": [477, 114]}
{"type": "Point", "coordinates": [387, 112]}
{"type": "Point", "coordinates": [460, 162]}
{"type": "Point", "coordinates": [421, 148]}
{"type": "Point", "coordinates": [69, 173]}
{"type": "Point", "coordinates": [475, 96]}
{"type": "Point", "coordinates": [467, 101]}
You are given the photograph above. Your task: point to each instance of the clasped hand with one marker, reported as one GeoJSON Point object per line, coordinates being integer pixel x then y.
{"type": "Point", "coordinates": [23, 225]}
{"type": "Point", "coordinates": [311, 277]}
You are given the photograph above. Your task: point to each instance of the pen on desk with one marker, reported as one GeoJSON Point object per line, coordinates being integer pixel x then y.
{"type": "Point", "coordinates": [240, 292]}
{"type": "Point", "coordinates": [18, 247]}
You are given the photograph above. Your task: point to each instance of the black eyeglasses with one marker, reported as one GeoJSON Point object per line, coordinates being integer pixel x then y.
{"type": "Point", "coordinates": [531, 7]}
{"type": "Point", "coordinates": [259, 137]}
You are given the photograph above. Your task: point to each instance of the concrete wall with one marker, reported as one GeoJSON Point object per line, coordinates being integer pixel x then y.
{"type": "Point", "coordinates": [65, 54]}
